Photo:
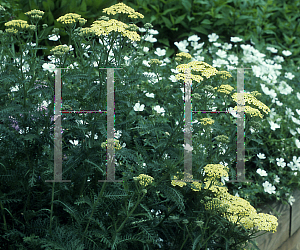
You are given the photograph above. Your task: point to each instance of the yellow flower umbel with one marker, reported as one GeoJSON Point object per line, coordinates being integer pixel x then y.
{"type": "Point", "coordinates": [102, 27]}
{"type": "Point", "coordinates": [60, 50]}
{"type": "Point", "coordinates": [227, 89]}
{"type": "Point", "coordinates": [207, 121]}
{"type": "Point", "coordinates": [144, 179]}
{"type": "Point", "coordinates": [70, 20]}
{"type": "Point", "coordinates": [35, 15]}
{"type": "Point", "coordinates": [204, 68]}
{"type": "Point", "coordinates": [16, 26]}
{"type": "Point", "coordinates": [155, 61]}
{"type": "Point", "coordinates": [250, 99]}
{"type": "Point", "coordinates": [234, 209]}
{"type": "Point", "coordinates": [117, 145]}
{"type": "Point", "coordinates": [122, 8]}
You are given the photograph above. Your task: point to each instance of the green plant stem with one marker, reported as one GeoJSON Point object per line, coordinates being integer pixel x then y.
{"type": "Point", "coordinates": [51, 210]}
{"type": "Point", "coordinates": [123, 223]}
{"type": "Point", "coordinates": [3, 216]}
{"type": "Point", "coordinates": [94, 206]}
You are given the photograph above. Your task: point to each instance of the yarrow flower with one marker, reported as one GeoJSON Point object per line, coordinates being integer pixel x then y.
{"type": "Point", "coordinates": [207, 121]}
{"type": "Point", "coordinates": [144, 179]}
{"type": "Point", "coordinates": [122, 8]}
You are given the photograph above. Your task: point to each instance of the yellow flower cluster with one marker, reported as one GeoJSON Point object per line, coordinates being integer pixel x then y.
{"type": "Point", "coordinates": [205, 69]}
{"type": "Point", "coordinates": [249, 110]}
{"type": "Point", "coordinates": [207, 121]}
{"type": "Point", "coordinates": [214, 171]}
{"type": "Point", "coordinates": [195, 186]}
{"type": "Point", "coordinates": [144, 179]}
{"type": "Point", "coordinates": [237, 210]}
{"type": "Point", "coordinates": [60, 50]}
{"type": "Point", "coordinates": [117, 146]}
{"type": "Point", "coordinates": [18, 25]}
{"type": "Point", "coordinates": [249, 98]}
{"type": "Point", "coordinates": [224, 74]}
{"type": "Point", "coordinates": [102, 27]}
{"type": "Point", "coordinates": [224, 89]}
{"type": "Point", "coordinates": [35, 14]}
{"type": "Point", "coordinates": [184, 54]}
{"type": "Point", "coordinates": [233, 208]}
{"type": "Point", "coordinates": [71, 19]}
{"type": "Point", "coordinates": [122, 8]}
{"type": "Point", "coordinates": [155, 61]}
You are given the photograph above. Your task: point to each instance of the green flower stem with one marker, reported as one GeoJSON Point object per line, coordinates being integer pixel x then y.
{"type": "Point", "coordinates": [123, 223]}
{"type": "Point", "coordinates": [51, 210]}
{"type": "Point", "coordinates": [3, 216]}
{"type": "Point", "coordinates": [94, 206]}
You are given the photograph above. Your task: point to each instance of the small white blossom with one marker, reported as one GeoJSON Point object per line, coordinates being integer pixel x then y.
{"type": "Point", "coordinates": [261, 172]}
{"type": "Point", "coordinates": [261, 156]}
{"type": "Point", "coordinates": [269, 188]}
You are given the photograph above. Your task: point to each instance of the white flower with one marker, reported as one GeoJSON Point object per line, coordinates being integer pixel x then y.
{"type": "Point", "coordinates": [194, 38]}
{"type": "Point", "coordinates": [217, 44]}
{"type": "Point", "coordinates": [221, 53]}
{"type": "Point", "coordinates": [146, 63]}
{"type": "Point", "coordinates": [280, 162]}
{"type": "Point", "coordinates": [274, 125]}
{"type": "Point", "coordinates": [295, 120]}
{"type": "Point", "coordinates": [223, 179]}
{"type": "Point", "coordinates": [284, 88]}
{"type": "Point", "coordinates": [150, 95]}
{"type": "Point", "coordinates": [150, 39]}
{"type": "Point", "coordinates": [74, 142]}
{"type": "Point", "coordinates": [153, 32]}
{"type": "Point", "coordinates": [160, 52]}
{"type": "Point", "coordinates": [297, 142]}
{"type": "Point", "coordinates": [118, 134]}
{"type": "Point", "coordinates": [289, 112]}
{"type": "Point", "coordinates": [292, 166]}
{"type": "Point", "coordinates": [291, 200]}
{"type": "Point", "coordinates": [213, 37]}
{"type": "Point", "coordinates": [298, 111]}
{"type": "Point", "coordinates": [289, 75]}
{"type": "Point", "coordinates": [298, 95]}
{"type": "Point", "coordinates": [158, 109]}
{"type": "Point", "coordinates": [142, 30]}
{"type": "Point", "coordinates": [13, 89]}
{"type": "Point", "coordinates": [261, 156]}
{"type": "Point", "coordinates": [277, 179]}
{"type": "Point", "coordinates": [269, 188]}
{"type": "Point", "coordinates": [173, 78]}
{"type": "Point", "coordinates": [182, 46]}
{"type": "Point", "coordinates": [48, 66]}
{"type": "Point", "coordinates": [273, 50]}
{"type": "Point", "coordinates": [261, 172]}
{"type": "Point", "coordinates": [138, 107]}
{"type": "Point", "coordinates": [286, 53]}
{"type": "Point", "coordinates": [235, 39]}
{"type": "Point", "coordinates": [53, 37]}
{"type": "Point", "coordinates": [145, 49]}
{"type": "Point", "coordinates": [227, 46]}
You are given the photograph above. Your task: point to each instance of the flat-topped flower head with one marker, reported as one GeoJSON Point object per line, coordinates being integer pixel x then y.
{"type": "Point", "coordinates": [60, 50]}
{"type": "Point", "coordinates": [207, 121]}
{"type": "Point", "coordinates": [204, 68]}
{"type": "Point", "coordinates": [35, 14]}
{"type": "Point", "coordinates": [227, 89]}
{"type": "Point", "coordinates": [18, 25]}
{"type": "Point", "coordinates": [71, 19]}
{"type": "Point", "coordinates": [122, 8]}
{"type": "Point", "coordinates": [250, 99]}
{"type": "Point", "coordinates": [102, 27]}
{"type": "Point", "coordinates": [144, 179]}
